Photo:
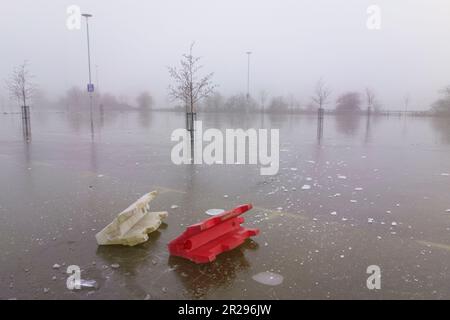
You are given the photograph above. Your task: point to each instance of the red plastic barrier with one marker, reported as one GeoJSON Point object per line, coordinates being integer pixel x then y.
{"type": "Point", "coordinates": [202, 242]}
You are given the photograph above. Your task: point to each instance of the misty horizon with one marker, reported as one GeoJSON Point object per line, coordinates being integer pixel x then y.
{"type": "Point", "coordinates": [293, 45]}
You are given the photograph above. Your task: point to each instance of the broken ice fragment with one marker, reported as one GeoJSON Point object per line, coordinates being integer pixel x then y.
{"type": "Point", "coordinates": [394, 223]}
{"type": "Point", "coordinates": [358, 189]}
{"type": "Point", "coordinates": [341, 177]}
{"type": "Point", "coordinates": [132, 225]}
{"type": "Point", "coordinates": [333, 213]}
{"type": "Point", "coordinates": [306, 187]}
{"type": "Point", "coordinates": [115, 266]}
{"type": "Point", "coordinates": [174, 206]}
{"type": "Point", "coordinates": [447, 211]}
{"type": "Point", "coordinates": [56, 266]}
{"type": "Point", "coordinates": [88, 284]}
{"type": "Point", "coordinates": [370, 220]}
{"type": "Point", "coordinates": [214, 212]}
{"type": "Point", "coordinates": [268, 278]}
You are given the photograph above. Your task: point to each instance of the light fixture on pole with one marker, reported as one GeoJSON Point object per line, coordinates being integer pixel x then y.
{"type": "Point", "coordinates": [90, 86]}
{"type": "Point", "coordinates": [248, 74]}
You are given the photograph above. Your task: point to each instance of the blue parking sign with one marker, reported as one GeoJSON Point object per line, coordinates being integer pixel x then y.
{"type": "Point", "coordinates": [90, 87]}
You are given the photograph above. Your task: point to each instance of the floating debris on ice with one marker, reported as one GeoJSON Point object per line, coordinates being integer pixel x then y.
{"type": "Point", "coordinates": [88, 284]}
{"type": "Point", "coordinates": [370, 220]}
{"type": "Point", "coordinates": [388, 211]}
{"type": "Point", "coordinates": [214, 212]}
{"type": "Point", "coordinates": [174, 206]}
{"type": "Point", "coordinates": [306, 187]}
{"type": "Point", "coordinates": [268, 278]}
{"type": "Point", "coordinates": [333, 213]}
{"type": "Point", "coordinates": [56, 266]}
{"type": "Point", "coordinates": [394, 223]}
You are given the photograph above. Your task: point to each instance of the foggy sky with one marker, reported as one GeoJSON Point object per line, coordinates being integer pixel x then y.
{"type": "Point", "coordinates": [294, 43]}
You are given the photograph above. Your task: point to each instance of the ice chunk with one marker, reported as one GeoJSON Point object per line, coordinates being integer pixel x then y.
{"type": "Point", "coordinates": [333, 213]}
{"type": "Point", "coordinates": [306, 187]}
{"type": "Point", "coordinates": [132, 225]}
{"type": "Point", "coordinates": [214, 212]}
{"type": "Point", "coordinates": [268, 278]}
{"type": "Point", "coordinates": [88, 284]}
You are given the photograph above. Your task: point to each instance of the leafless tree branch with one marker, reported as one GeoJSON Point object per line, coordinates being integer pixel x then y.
{"type": "Point", "coordinates": [20, 85]}
{"type": "Point", "coordinates": [187, 86]}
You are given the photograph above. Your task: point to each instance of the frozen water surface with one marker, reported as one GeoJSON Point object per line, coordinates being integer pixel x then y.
{"type": "Point", "coordinates": [58, 190]}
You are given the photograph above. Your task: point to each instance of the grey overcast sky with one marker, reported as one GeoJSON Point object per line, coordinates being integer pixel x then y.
{"type": "Point", "coordinates": [294, 43]}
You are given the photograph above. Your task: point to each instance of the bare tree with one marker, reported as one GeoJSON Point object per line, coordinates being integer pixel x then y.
{"type": "Point", "coordinates": [321, 94]}
{"type": "Point", "coordinates": [20, 85]}
{"type": "Point", "coordinates": [189, 87]}
{"type": "Point", "coordinates": [370, 98]}
{"type": "Point", "coordinates": [348, 103]}
{"type": "Point", "coordinates": [144, 100]}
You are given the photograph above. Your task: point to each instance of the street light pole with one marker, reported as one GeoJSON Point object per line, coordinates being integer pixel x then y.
{"type": "Point", "coordinates": [248, 74]}
{"type": "Point", "coordinates": [90, 87]}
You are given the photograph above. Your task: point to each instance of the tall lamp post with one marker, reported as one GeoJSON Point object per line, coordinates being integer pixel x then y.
{"type": "Point", "coordinates": [90, 86]}
{"type": "Point", "coordinates": [248, 74]}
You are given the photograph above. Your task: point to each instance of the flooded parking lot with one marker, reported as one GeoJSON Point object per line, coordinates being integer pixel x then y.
{"type": "Point", "coordinates": [371, 191]}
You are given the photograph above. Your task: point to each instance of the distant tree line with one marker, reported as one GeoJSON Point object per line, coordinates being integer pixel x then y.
{"type": "Point", "coordinates": [76, 99]}
{"type": "Point", "coordinates": [441, 106]}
